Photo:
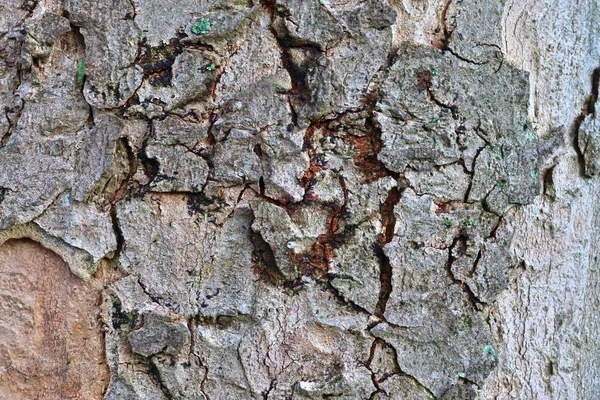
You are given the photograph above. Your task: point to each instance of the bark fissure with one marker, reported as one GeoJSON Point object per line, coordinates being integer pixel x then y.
{"type": "Point", "coordinates": [476, 303]}
{"type": "Point", "coordinates": [389, 223]}
{"type": "Point", "coordinates": [589, 108]}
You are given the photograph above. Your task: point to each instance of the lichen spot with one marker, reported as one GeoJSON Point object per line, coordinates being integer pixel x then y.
{"type": "Point", "coordinates": [201, 26]}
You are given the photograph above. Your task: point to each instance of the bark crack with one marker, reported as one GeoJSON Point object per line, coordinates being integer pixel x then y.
{"type": "Point", "coordinates": [589, 108]}
{"type": "Point", "coordinates": [388, 218]}
{"type": "Point", "coordinates": [475, 302]}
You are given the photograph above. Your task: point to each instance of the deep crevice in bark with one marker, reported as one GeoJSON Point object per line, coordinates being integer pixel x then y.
{"type": "Point", "coordinates": [589, 108]}
{"type": "Point", "coordinates": [475, 302]}
{"type": "Point", "coordinates": [388, 219]}
{"type": "Point", "coordinates": [265, 263]}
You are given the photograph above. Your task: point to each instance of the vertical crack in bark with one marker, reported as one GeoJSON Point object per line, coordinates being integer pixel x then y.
{"type": "Point", "coordinates": [476, 303]}
{"type": "Point", "coordinates": [339, 297]}
{"type": "Point", "coordinates": [548, 182]}
{"type": "Point", "coordinates": [388, 219]}
{"type": "Point", "coordinates": [18, 108]}
{"type": "Point", "coordinates": [318, 260]}
{"type": "Point", "coordinates": [472, 174]}
{"type": "Point", "coordinates": [154, 374]}
{"type": "Point", "coordinates": [367, 365]}
{"type": "Point", "coordinates": [118, 233]}
{"type": "Point", "coordinates": [297, 73]}
{"type": "Point", "coordinates": [475, 264]}
{"type": "Point", "coordinates": [265, 263]}
{"type": "Point", "coordinates": [315, 164]}
{"type": "Point", "coordinates": [17, 35]}
{"type": "Point", "coordinates": [119, 194]}
{"type": "Point", "coordinates": [444, 24]}
{"type": "Point", "coordinates": [397, 370]}
{"type": "Point", "coordinates": [150, 165]}
{"type": "Point", "coordinates": [272, 385]}
{"type": "Point", "coordinates": [589, 108]}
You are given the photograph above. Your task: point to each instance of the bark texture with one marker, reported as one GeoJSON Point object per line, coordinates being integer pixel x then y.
{"type": "Point", "coordinates": [299, 199]}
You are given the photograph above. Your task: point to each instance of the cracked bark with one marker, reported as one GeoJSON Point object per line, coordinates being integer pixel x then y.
{"type": "Point", "coordinates": [294, 200]}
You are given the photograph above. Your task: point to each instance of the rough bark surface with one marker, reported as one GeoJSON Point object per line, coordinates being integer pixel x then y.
{"type": "Point", "coordinates": [285, 199]}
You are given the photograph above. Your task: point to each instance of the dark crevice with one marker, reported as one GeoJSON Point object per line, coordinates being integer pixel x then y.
{"type": "Point", "coordinates": [157, 61]}
{"type": "Point", "coordinates": [264, 261]}
{"type": "Point", "coordinates": [282, 204]}
{"type": "Point", "coordinates": [455, 54]}
{"type": "Point", "coordinates": [367, 365]}
{"type": "Point", "coordinates": [316, 164]}
{"type": "Point", "coordinates": [154, 374]}
{"type": "Point", "coordinates": [461, 241]}
{"type": "Point", "coordinates": [388, 220]}
{"type": "Point", "coordinates": [12, 114]}
{"type": "Point", "coordinates": [119, 194]}
{"type": "Point", "coordinates": [191, 325]}
{"type": "Point", "coordinates": [475, 263]}
{"type": "Point", "coordinates": [29, 6]}
{"type": "Point", "coordinates": [452, 109]}
{"type": "Point", "coordinates": [81, 75]}
{"type": "Point", "coordinates": [272, 386]}
{"type": "Point", "coordinates": [131, 16]}
{"type": "Point", "coordinates": [589, 108]}
{"type": "Point", "coordinates": [591, 102]}
{"type": "Point", "coordinates": [155, 299]}
{"type": "Point", "coordinates": [298, 70]}
{"type": "Point", "coordinates": [548, 182]}
{"type": "Point", "coordinates": [417, 382]}
{"type": "Point", "coordinates": [118, 233]}
{"type": "Point", "coordinates": [397, 369]}
{"type": "Point", "coordinates": [494, 232]}
{"type": "Point", "coordinates": [468, 192]}
{"type": "Point", "coordinates": [385, 279]}
{"type": "Point", "coordinates": [467, 381]}
{"type": "Point", "coordinates": [326, 283]}
{"type": "Point", "coordinates": [150, 165]}
{"type": "Point", "coordinates": [444, 24]}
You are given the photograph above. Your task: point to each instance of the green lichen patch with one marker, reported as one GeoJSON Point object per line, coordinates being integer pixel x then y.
{"type": "Point", "coordinates": [201, 26]}
{"type": "Point", "coordinates": [490, 353]}
{"type": "Point", "coordinates": [80, 73]}
{"type": "Point", "coordinates": [470, 222]}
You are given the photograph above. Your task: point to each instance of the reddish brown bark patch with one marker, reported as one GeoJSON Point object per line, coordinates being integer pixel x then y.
{"type": "Point", "coordinates": [51, 339]}
{"type": "Point", "coordinates": [366, 154]}
{"type": "Point", "coordinates": [317, 261]}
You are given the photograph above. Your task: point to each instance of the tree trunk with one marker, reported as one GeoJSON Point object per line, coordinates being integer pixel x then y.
{"type": "Point", "coordinates": [287, 199]}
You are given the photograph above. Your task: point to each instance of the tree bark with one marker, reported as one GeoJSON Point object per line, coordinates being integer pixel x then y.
{"type": "Point", "coordinates": [286, 199]}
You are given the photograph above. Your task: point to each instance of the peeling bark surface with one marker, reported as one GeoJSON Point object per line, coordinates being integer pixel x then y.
{"type": "Point", "coordinates": [312, 199]}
